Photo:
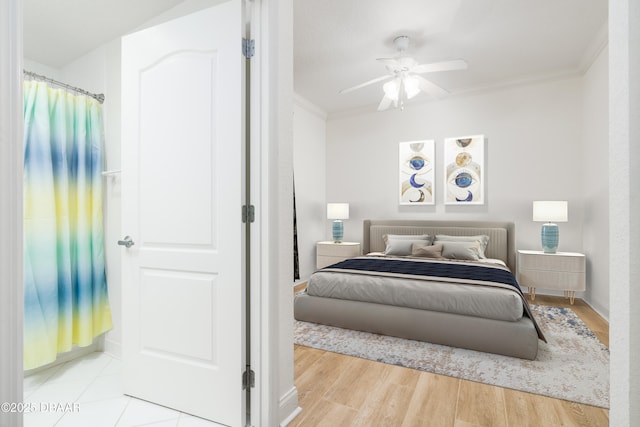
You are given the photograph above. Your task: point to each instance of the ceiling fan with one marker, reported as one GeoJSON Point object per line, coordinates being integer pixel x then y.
{"type": "Point", "coordinates": [404, 77]}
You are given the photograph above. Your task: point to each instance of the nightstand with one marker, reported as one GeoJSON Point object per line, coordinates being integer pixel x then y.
{"type": "Point", "coordinates": [328, 253]}
{"type": "Point", "coordinates": [560, 271]}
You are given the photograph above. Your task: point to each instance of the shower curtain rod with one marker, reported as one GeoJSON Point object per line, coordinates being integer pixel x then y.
{"type": "Point", "coordinates": [98, 97]}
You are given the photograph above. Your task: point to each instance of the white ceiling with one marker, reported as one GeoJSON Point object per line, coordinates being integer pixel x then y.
{"type": "Point", "coordinates": [336, 41]}
{"type": "Point", "coordinates": [503, 41]}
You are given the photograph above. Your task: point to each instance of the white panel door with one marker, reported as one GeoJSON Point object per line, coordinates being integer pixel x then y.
{"type": "Point", "coordinates": [182, 192]}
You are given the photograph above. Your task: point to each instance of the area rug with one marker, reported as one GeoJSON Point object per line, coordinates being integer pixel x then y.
{"type": "Point", "coordinates": [573, 365]}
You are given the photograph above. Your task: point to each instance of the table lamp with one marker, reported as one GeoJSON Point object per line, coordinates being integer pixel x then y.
{"type": "Point", "coordinates": [550, 212]}
{"type": "Point", "coordinates": [337, 212]}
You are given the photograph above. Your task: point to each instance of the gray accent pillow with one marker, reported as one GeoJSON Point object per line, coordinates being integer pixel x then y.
{"type": "Point", "coordinates": [483, 240]}
{"type": "Point", "coordinates": [426, 250]}
{"type": "Point", "coordinates": [401, 246]}
{"type": "Point", "coordinates": [461, 250]}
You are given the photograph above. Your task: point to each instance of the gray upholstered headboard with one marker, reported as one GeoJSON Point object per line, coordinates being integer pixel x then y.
{"type": "Point", "coordinates": [501, 234]}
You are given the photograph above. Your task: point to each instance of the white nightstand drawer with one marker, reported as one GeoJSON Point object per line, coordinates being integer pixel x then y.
{"type": "Point", "coordinates": [557, 280]}
{"type": "Point", "coordinates": [344, 249]}
{"type": "Point", "coordinates": [328, 253]}
{"type": "Point", "coordinates": [559, 271]}
{"type": "Point", "coordinates": [561, 261]}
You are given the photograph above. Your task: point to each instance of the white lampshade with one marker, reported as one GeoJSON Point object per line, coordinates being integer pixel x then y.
{"type": "Point", "coordinates": [411, 86]}
{"type": "Point", "coordinates": [392, 89]}
{"type": "Point", "coordinates": [337, 210]}
{"type": "Point", "coordinates": [550, 211]}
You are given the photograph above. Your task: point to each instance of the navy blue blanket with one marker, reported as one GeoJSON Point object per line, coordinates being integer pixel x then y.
{"type": "Point", "coordinates": [431, 269]}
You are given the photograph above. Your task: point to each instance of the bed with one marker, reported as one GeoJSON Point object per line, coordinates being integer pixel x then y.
{"type": "Point", "coordinates": [470, 302]}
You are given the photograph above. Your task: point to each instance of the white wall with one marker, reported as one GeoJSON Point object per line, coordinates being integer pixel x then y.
{"type": "Point", "coordinates": [309, 169]}
{"type": "Point", "coordinates": [624, 225]}
{"type": "Point", "coordinates": [42, 69]}
{"type": "Point", "coordinates": [278, 95]}
{"type": "Point", "coordinates": [532, 153]}
{"type": "Point", "coordinates": [595, 182]}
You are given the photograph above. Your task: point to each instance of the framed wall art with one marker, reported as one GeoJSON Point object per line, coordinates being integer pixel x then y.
{"type": "Point", "coordinates": [464, 170]}
{"type": "Point", "coordinates": [416, 163]}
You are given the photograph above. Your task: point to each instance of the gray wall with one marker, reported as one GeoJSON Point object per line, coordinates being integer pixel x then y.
{"type": "Point", "coordinates": [595, 176]}
{"type": "Point", "coordinates": [309, 160]}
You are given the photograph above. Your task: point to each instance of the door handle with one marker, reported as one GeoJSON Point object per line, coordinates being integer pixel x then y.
{"type": "Point", "coordinates": [127, 242]}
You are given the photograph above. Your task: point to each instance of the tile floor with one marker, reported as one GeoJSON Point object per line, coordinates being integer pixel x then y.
{"type": "Point", "coordinates": [87, 392]}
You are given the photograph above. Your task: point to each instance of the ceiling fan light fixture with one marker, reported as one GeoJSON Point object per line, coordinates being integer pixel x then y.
{"type": "Point", "coordinates": [411, 86]}
{"type": "Point", "coordinates": [404, 79]}
{"type": "Point", "coordinates": [392, 89]}
{"type": "Point", "coordinates": [401, 43]}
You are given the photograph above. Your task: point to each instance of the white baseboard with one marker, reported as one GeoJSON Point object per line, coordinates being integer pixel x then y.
{"type": "Point", "coordinates": [288, 407]}
{"type": "Point", "coordinates": [74, 353]}
{"type": "Point", "coordinates": [113, 348]}
{"type": "Point", "coordinates": [604, 313]}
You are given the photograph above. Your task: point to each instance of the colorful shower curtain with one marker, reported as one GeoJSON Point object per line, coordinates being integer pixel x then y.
{"type": "Point", "coordinates": [65, 288]}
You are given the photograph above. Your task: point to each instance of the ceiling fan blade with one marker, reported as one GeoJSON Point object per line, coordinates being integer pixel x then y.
{"type": "Point", "coordinates": [431, 88]}
{"type": "Point", "coordinates": [456, 64]}
{"type": "Point", "coordinates": [385, 103]}
{"type": "Point", "coordinates": [367, 83]}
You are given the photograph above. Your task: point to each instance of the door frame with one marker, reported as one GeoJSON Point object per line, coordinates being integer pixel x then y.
{"type": "Point", "coordinates": [275, 398]}
{"type": "Point", "coordinates": [11, 161]}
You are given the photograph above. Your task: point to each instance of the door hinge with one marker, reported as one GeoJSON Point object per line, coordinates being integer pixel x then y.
{"type": "Point", "coordinates": [248, 379]}
{"type": "Point", "coordinates": [248, 47]}
{"type": "Point", "coordinates": [248, 213]}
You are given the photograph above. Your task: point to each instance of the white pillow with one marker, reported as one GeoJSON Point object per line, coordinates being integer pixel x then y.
{"type": "Point", "coordinates": [406, 236]}
{"type": "Point", "coordinates": [461, 250]}
{"type": "Point", "coordinates": [483, 240]}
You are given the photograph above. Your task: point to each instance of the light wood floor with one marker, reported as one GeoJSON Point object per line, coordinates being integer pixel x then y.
{"type": "Point", "coordinates": [337, 390]}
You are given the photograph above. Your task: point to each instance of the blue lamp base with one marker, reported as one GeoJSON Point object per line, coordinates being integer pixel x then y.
{"type": "Point", "coordinates": [338, 231]}
{"type": "Point", "coordinates": [549, 236]}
